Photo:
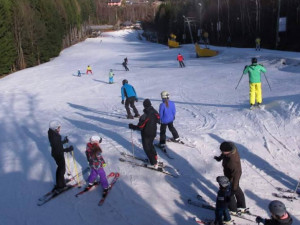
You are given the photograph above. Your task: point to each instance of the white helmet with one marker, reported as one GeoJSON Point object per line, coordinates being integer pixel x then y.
{"type": "Point", "coordinates": [54, 124]}
{"type": "Point", "coordinates": [96, 139]}
{"type": "Point", "coordinates": [164, 95]}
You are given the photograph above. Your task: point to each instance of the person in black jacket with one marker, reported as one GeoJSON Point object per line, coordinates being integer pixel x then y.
{"type": "Point", "coordinates": [148, 125]}
{"type": "Point", "coordinates": [57, 152]}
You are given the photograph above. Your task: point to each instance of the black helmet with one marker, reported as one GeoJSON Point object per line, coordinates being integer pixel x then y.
{"type": "Point", "coordinates": [125, 81]}
{"type": "Point", "coordinates": [223, 181]}
{"type": "Point", "coordinates": [254, 60]}
{"type": "Point", "coordinates": [277, 208]}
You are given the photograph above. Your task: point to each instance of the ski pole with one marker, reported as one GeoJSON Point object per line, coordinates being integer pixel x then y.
{"type": "Point", "coordinates": [239, 81]}
{"type": "Point", "coordinates": [132, 144]}
{"type": "Point", "coordinates": [68, 165]}
{"type": "Point", "coordinates": [267, 81]}
{"type": "Point", "coordinates": [76, 171]}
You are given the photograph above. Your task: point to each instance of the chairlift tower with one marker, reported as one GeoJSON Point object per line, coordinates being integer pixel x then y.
{"type": "Point", "coordinates": [189, 20]}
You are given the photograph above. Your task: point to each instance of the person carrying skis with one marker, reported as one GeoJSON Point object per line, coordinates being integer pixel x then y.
{"type": "Point", "coordinates": [222, 201]}
{"type": "Point", "coordinates": [254, 71]}
{"type": "Point", "coordinates": [125, 64]}
{"type": "Point", "coordinates": [57, 152]}
{"type": "Point", "coordinates": [111, 76]}
{"type": "Point", "coordinates": [89, 70]}
{"type": "Point", "coordinates": [147, 125]}
{"type": "Point", "coordinates": [128, 92]}
{"type": "Point", "coordinates": [97, 163]}
{"type": "Point", "coordinates": [279, 215]}
{"type": "Point", "coordinates": [180, 60]}
{"type": "Point", "coordinates": [257, 44]}
{"type": "Point", "coordinates": [167, 111]}
{"type": "Point", "coordinates": [233, 170]}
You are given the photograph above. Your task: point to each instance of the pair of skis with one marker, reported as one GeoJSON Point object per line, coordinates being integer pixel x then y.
{"type": "Point", "coordinates": [205, 205]}
{"type": "Point", "coordinates": [144, 163]}
{"type": "Point", "coordinates": [288, 194]}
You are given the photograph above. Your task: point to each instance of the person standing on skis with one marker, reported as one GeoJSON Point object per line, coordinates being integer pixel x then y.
{"type": "Point", "coordinates": [180, 60]}
{"type": "Point", "coordinates": [254, 71]}
{"type": "Point", "coordinates": [97, 163]}
{"type": "Point", "coordinates": [279, 215]}
{"type": "Point", "coordinates": [167, 112]}
{"type": "Point", "coordinates": [89, 70]}
{"type": "Point", "coordinates": [233, 170]}
{"type": "Point", "coordinates": [128, 92]}
{"type": "Point", "coordinates": [125, 64]}
{"type": "Point", "coordinates": [57, 152]}
{"type": "Point", "coordinates": [111, 76]}
{"type": "Point", "coordinates": [148, 126]}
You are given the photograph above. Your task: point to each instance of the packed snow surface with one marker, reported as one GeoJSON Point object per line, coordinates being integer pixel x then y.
{"type": "Point", "coordinates": [209, 111]}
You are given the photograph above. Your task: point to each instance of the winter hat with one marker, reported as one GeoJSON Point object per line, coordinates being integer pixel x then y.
{"type": "Point", "coordinates": [96, 139]}
{"type": "Point", "coordinates": [227, 146]}
{"type": "Point", "coordinates": [146, 103]}
{"type": "Point", "coordinates": [54, 124]}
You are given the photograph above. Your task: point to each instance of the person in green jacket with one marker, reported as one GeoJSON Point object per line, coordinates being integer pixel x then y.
{"type": "Point", "coordinates": [254, 72]}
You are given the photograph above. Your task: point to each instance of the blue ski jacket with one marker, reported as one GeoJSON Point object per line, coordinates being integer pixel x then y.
{"type": "Point", "coordinates": [128, 91]}
{"type": "Point", "coordinates": [167, 114]}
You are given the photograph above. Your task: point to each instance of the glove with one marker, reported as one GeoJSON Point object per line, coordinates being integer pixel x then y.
{"type": "Point", "coordinates": [218, 158]}
{"type": "Point", "coordinates": [131, 126]}
{"type": "Point", "coordinates": [70, 149]}
{"type": "Point", "coordinates": [122, 102]}
{"type": "Point", "coordinates": [136, 100]}
{"type": "Point", "coordinates": [245, 67]}
{"type": "Point", "coordinates": [260, 220]}
{"type": "Point", "coordinates": [66, 140]}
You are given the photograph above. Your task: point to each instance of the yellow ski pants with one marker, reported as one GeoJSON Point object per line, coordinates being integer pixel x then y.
{"type": "Point", "coordinates": [255, 93]}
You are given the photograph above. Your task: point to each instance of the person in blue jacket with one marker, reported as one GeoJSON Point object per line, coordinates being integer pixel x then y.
{"type": "Point", "coordinates": [128, 92]}
{"type": "Point", "coordinates": [167, 111]}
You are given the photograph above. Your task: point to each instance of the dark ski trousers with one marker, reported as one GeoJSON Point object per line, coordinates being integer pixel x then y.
{"type": "Point", "coordinates": [60, 171]}
{"type": "Point", "coordinates": [149, 149]}
{"type": "Point", "coordinates": [181, 64]}
{"type": "Point", "coordinates": [222, 214]}
{"type": "Point", "coordinates": [130, 102]}
{"type": "Point", "coordinates": [237, 200]}
{"type": "Point", "coordinates": [163, 128]}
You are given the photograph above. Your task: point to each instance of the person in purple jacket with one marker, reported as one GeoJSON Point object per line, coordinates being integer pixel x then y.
{"type": "Point", "coordinates": [167, 111]}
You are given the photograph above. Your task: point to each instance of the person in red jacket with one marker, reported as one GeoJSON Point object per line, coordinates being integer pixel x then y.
{"type": "Point", "coordinates": [180, 60]}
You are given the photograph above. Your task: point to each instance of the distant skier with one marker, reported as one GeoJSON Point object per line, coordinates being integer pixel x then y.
{"type": "Point", "coordinates": [128, 92]}
{"type": "Point", "coordinates": [125, 64]}
{"type": "Point", "coordinates": [222, 215]}
{"type": "Point", "coordinates": [257, 44]}
{"type": "Point", "coordinates": [233, 170]}
{"type": "Point", "coordinates": [79, 73]}
{"type": "Point", "coordinates": [254, 72]}
{"type": "Point", "coordinates": [89, 70]}
{"type": "Point", "coordinates": [97, 163]}
{"type": "Point", "coordinates": [180, 60]}
{"type": "Point", "coordinates": [279, 215]}
{"type": "Point", "coordinates": [167, 112]}
{"type": "Point", "coordinates": [111, 76]}
{"type": "Point", "coordinates": [57, 152]}
{"type": "Point", "coordinates": [148, 126]}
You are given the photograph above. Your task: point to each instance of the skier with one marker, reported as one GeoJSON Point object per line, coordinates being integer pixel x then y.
{"type": "Point", "coordinates": [97, 163]}
{"type": "Point", "coordinates": [180, 60]}
{"type": "Point", "coordinates": [232, 169]}
{"type": "Point", "coordinates": [167, 111]}
{"type": "Point", "coordinates": [111, 76]}
{"type": "Point", "coordinates": [279, 215]}
{"type": "Point", "coordinates": [223, 199]}
{"type": "Point", "coordinates": [128, 92]}
{"type": "Point", "coordinates": [57, 152]}
{"type": "Point", "coordinates": [125, 64]}
{"type": "Point", "coordinates": [254, 72]}
{"type": "Point", "coordinates": [79, 73]}
{"type": "Point", "coordinates": [148, 125]}
{"type": "Point", "coordinates": [89, 70]}
{"type": "Point", "coordinates": [257, 44]}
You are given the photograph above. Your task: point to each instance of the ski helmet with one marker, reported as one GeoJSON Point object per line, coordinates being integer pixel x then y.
{"type": "Point", "coordinates": [125, 81]}
{"type": "Point", "coordinates": [254, 60]}
{"type": "Point", "coordinates": [277, 208]}
{"type": "Point", "coordinates": [95, 139]}
{"type": "Point", "coordinates": [164, 95]}
{"type": "Point", "coordinates": [54, 124]}
{"type": "Point", "coordinates": [223, 181]}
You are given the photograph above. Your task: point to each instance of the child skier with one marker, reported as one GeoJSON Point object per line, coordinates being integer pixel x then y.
{"type": "Point", "coordinates": [279, 215]}
{"type": "Point", "coordinates": [223, 199]}
{"type": "Point", "coordinates": [128, 92]}
{"type": "Point", "coordinates": [89, 70]}
{"type": "Point", "coordinates": [111, 76]}
{"type": "Point", "coordinates": [167, 111]}
{"type": "Point", "coordinates": [97, 163]}
{"type": "Point", "coordinates": [180, 60]}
